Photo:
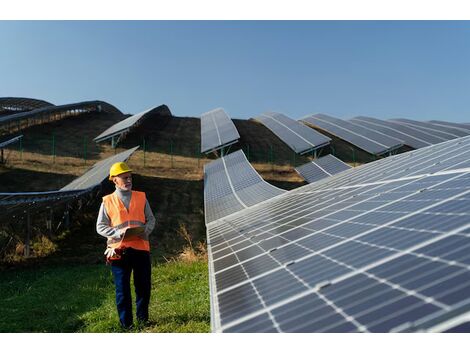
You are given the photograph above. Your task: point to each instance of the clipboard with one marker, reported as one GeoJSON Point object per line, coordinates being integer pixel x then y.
{"type": "Point", "coordinates": [133, 232]}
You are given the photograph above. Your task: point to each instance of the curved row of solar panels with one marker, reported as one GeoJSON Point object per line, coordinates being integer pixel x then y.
{"type": "Point", "coordinates": [297, 136]}
{"type": "Point", "coordinates": [4, 143]}
{"type": "Point", "coordinates": [378, 248]}
{"type": "Point", "coordinates": [321, 168]}
{"type": "Point", "coordinates": [11, 105]}
{"type": "Point", "coordinates": [12, 204]}
{"type": "Point", "coordinates": [86, 106]}
{"type": "Point", "coordinates": [373, 142]}
{"type": "Point", "coordinates": [125, 125]}
{"type": "Point", "coordinates": [377, 136]}
{"type": "Point", "coordinates": [231, 184]}
{"type": "Point", "coordinates": [217, 131]}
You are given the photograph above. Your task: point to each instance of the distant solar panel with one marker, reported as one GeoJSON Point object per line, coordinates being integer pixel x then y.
{"type": "Point", "coordinates": [86, 106]}
{"type": "Point", "coordinates": [217, 131]}
{"type": "Point", "coordinates": [424, 126]}
{"type": "Point", "coordinates": [423, 137]}
{"type": "Point", "coordinates": [322, 167]}
{"type": "Point", "coordinates": [232, 184]}
{"type": "Point", "coordinates": [10, 141]}
{"type": "Point", "coordinates": [19, 202]}
{"type": "Point", "coordinates": [16, 104]}
{"type": "Point", "coordinates": [297, 136]}
{"type": "Point", "coordinates": [366, 139]}
{"type": "Point", "coordinates": [460, 126]}
{"type": "Point", "coordinates": [119, 129]}
{"type": "Point", "coordinates": [378, 248]}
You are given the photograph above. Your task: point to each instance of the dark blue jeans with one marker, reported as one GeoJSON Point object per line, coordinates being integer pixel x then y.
{"type": "Point", "coordinates": [139, 262]}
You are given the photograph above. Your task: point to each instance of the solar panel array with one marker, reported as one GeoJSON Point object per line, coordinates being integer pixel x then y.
{"type": "Point", "coordinates": [322, 167]}
{"type": "Point", "coordinates": [408, 136]}
{"type": "Point", "coordinates": [459, 126]}
{"type": "Point", "coordinates": [297, 136]}
{"type": "Point", "coordinates": [231, 184]}
{"type": "Point", "coordinates": [381, 247]}
{"type": "Point", "coordinates": [371, 141]}
{"type": "Point", "coordinates": [15, 203]}
{"type": "Point", "coordinates": [86, 106]}
{"type": "Point", "coordinates": [125, 125]}
{"type": "Point", "coordinates": [445, 133]}
{"type": "Point", "coordinates": [217, 130]}
{"type": "Point", "coordinates": [15, 104]}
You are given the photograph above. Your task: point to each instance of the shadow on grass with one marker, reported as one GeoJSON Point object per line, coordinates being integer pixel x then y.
{"type": "Point", "coordinates": [51, 299]}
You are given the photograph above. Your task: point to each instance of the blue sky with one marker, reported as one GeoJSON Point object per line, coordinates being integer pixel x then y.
{"type": "Point", "coordinates": [415, 69]}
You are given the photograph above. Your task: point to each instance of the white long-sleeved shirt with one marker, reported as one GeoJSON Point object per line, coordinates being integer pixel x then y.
{"type": "Point", "coordinates": [103, 223]}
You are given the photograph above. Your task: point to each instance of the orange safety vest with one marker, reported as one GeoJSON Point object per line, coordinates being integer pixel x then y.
{"type": "Point", "coordinates": [121, 218]}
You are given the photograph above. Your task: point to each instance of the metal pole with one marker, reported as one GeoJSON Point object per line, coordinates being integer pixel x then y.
{"type": "Point", "coordinates": [21, 149]}
{"type": "Point", "coordinates": [171, 152]}
{"type": "Point", "coordinates": [53, 148]}
{"type": "Point", "coordinates": [28, 234]}
{"type": "Point", "coordinates": [84, 149]}
{"type": "Point", "coordinates": [143, 142]}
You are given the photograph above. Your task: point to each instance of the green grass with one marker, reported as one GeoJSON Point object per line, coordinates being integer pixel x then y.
{"type": "Point", "coordinates": [81, 299]}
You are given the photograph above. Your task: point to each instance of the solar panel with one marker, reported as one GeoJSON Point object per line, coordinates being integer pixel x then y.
{"type": "Point", "coordinates": [454, 125]}
{"type": "Point", "coordinates": [16, 104]}
{"type": "Point", "coordinates": [378, 248]}
{"type": "Point", "coordinates": [10, 141]}
{"type": "Point", "coordinates": [19, 202]}
{"type": "Point", "coordinates": [85, 106]}
{"type": "Point", "coordinates": [322, 167]}
{"type": "Point", "coordinates": [424, 126]}
{"type": "Point", "coordinates": [366, 139]}
{"type": "Point", "coordinates": [375, 124]}
{"type": "Point", "coordinates": [421, 136]}
{"type": "Point", "coordinates": [217, 131]}
{"type": "Point", "coordinates": [232, 184]}
{"type": "Point", "coordinates": [438, 138]}
{"type": "Point", "coordinates": [297, 136]}
{"type": "Point", "coordinates": [124, 126]}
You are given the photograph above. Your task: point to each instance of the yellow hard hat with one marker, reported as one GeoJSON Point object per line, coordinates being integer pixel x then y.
{"type": "Point", "coordinates": [118, 169]}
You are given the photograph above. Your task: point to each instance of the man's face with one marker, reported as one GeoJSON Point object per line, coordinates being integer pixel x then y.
{"type": "Point", "coordinates": [124, 181]}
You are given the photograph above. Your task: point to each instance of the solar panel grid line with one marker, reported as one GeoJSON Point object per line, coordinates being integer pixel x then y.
{"type": "Point", "coordinates": [316, 140]}
{"type": "Point", "coordinates": [412, 141]}
{"type": "Point", "coordinates": [458, 230]}
{"type": "Point", "coordinates": [331, 225]}
{"type": "Point", "coordinates": [401, 128]}
{"type": "Point", "coordinates": [379, 171]}
{"type": "Point", "coordinates": [455, 125]}
{"type": "Point", "coordinates": [440, 138]}
{"type": "Point", "coordinates": [460, 132]}
{"type": "Point", "coordinates": [373, 130]}
{"type": "Point", "coordinates": [283, 125]}
{"type": "Point", "coordinates": [443, 155]}
{"type": "Point", "coordinates": [428, 127]}
{"type": "Point", "coordinates": [393, 143]}
{"type": "Point", "coordinates": [449, 130]}
{"type": "Point", "coordinates": [217, 131]}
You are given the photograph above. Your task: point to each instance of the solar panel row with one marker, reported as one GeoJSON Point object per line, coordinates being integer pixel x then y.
{"type": "Point", "coordinates": [10, 141]}
{"type": "Point", "coordinates": [322, 167]}
{"type": "Point", "coordinates": [231, 184]}
{"type": "Point", "coordinates": [125, 125]}
{"type": "Point", "coordinates": [18, 203]}
{"type": "Point", "coordinates": [371, 141]}
{"type": "Point", "coordinates": [217, 130]}
{"type": "Point", "coordinates": [381, 247]}
{"type": "Point", "coordinates": [297, 136]}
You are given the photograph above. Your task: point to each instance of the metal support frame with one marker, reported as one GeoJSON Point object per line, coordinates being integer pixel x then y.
{"type": "Point", "coordinates": [28, 234]}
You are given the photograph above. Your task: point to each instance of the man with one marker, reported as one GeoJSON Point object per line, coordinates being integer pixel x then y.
{"type": "Point", "coordinates": [127, 250]}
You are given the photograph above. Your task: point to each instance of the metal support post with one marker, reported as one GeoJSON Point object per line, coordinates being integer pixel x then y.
{"type": "Point", "coordinates": [28, 234]}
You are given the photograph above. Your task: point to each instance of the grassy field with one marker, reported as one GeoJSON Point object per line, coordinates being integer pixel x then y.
{"type": "Point", "coordinates": [70, 298]}
{"type": "Point", "coordinates": [65, 286]}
